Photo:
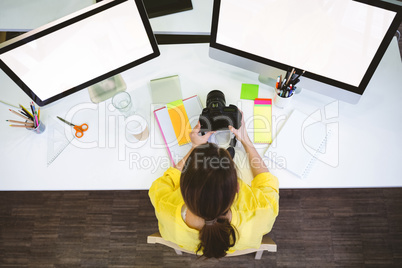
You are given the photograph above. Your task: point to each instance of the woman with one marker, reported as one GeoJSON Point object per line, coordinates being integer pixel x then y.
{"type": "Point", "coordinates": [202, 206]}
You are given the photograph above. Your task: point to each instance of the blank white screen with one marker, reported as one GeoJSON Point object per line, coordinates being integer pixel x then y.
{"type": "Point", "coordinates": [80, 52]}
{"type": "Point", "coordinates": [336, 39]}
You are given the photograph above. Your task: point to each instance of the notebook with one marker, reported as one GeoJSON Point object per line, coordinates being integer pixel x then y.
{"type": "Point", "coordinates": [299, 143]}
{"type": "Point", "coordinates": [262, 120]}
{"type": "Point", "coordinates": [57, 140]}
{"type": "Point", "coordinates": [193, 109]}
{"type": "Point", "coordinates": [165, 90]}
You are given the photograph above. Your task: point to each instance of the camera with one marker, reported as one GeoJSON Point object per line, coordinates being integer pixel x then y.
{"type": "Point", "coordinates": [218, 116]}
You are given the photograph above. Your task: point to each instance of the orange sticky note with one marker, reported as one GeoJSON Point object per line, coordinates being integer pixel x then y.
{"type": "Point", "coordinates": [180, 122]}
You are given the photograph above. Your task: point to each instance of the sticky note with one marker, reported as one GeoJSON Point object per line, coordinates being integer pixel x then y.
{"type": "Point", "coordinates": [165, 90]}
{"type": "Point", "coordinates": [181, 124]}
{"type": "Point", "coordinates": [262, 120]}
{"type": "Point", "coordinates": [249, 92]}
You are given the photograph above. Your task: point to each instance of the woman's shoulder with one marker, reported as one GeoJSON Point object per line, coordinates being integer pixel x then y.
{"type": "Point", "coordinates": [265, 179]}
{"type": "Point", "coordinates": [166, 188]}
{"type": "Point", "coordinates": [263, 192]}
{"type": "Point", "coordinates": [170, 176]}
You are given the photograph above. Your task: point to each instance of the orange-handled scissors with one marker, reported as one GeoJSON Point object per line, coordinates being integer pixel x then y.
{"type": "Point", "coordinates": [79, 130]}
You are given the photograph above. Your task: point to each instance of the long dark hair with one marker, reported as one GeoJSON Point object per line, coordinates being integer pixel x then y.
{"type": "Point", "coordinates": [209, 186]}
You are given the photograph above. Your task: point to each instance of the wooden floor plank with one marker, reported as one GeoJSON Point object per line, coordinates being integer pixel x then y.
{"type": "Point", "coordinates": [315, 228]}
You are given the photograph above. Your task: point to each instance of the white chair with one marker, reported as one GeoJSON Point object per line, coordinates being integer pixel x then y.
{"type": "Point", "coordinates": [266, 244]}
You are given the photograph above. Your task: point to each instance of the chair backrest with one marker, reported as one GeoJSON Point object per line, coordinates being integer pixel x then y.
{"type": "Point", "coordinates": [266, 244]}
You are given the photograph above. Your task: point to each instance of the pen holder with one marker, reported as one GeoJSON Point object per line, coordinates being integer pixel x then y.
{"type": "Point", "coordinates": [39, 129]}
{"type": "Point", "coordinates": [282, 102]}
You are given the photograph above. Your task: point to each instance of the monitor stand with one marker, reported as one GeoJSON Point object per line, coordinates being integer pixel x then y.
{"type": "Point", "coordinates": [106, 89]}
{"type": "Point", "coordinates": [267, 80]}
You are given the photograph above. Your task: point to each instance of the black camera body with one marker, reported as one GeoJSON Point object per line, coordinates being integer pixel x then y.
{"type": "Point", "coordinates": [218, 116]}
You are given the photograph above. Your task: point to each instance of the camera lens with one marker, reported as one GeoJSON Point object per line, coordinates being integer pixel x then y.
{"type": "Point", "coordinates": [215, 99]}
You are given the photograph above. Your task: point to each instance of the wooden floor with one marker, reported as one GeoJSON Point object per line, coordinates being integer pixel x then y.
{"type": "Point", "coordinates": [315, 228]}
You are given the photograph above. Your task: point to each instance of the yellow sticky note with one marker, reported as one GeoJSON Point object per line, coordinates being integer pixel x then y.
{"type": "Point", "coordinates": [180, 122]}
{"type": "Point", "coordinates": [262, 121]}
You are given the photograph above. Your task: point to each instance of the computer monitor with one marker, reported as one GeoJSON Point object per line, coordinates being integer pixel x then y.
{"type": "Point", "coordinates": [338, 44]}
{"type": "Point", "coordinates": [79, 50]}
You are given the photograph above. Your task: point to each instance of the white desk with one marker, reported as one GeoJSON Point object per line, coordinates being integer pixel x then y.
{"type": "Point", "coordinates": [369, 133]}
{"type": "Point", "coordinates": [25, 15]}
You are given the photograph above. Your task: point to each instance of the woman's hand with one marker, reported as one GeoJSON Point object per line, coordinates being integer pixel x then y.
{"type": "Point", "coordinates": [241, 133]}
{"type": "Point", "coordinates": [257, 164]}
{"type": "Point", "coordinates": [197, 139]}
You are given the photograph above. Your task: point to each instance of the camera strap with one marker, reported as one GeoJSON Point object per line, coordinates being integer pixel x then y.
{"type": "Point", "coordinates": [231, 149]}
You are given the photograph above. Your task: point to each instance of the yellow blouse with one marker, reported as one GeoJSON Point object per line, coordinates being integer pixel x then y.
{"type": "Point", "coordinates": [253, 211]}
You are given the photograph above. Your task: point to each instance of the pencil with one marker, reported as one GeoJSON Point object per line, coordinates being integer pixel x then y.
{"type": "Point", "coordinates": [26, 118]}
{"type": "Point", "coordinates": [23, 108]}
{"type": "Point", "coordinates": [19, 114]}
{"type": "Point", "coordinates": [24, 126]}
{"type": "Point", "coordinates": [290, 77]}
{"type": "Point", "coordinates": [25, 113]}
{"type": "Point", "coordinates": [299, 75]}
{"type": "Point", "coordinates": [36, 122]}
{"type": "Point", "coordinates": [32, 109]}
{"type": "Point", "coordinates": [19, 122]}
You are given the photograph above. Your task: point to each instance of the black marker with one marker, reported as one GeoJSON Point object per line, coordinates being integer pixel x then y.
{"type": "Point", "coordinates": [297, 80]}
